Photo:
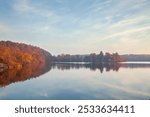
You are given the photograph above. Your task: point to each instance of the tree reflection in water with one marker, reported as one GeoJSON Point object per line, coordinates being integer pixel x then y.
{"type": "Point", "coordinates": [11, 76]}
{"type": "Point", "coordinates": [91, 66]}
{"type": "Point", "coordinates": [28, 72]}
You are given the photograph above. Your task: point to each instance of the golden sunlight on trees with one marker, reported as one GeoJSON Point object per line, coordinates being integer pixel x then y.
{"type": "Point", "coordinates": [18, 55]}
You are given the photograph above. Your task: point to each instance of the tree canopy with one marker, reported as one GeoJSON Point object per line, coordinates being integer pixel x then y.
{"type": "Point", "coordinates": [19, 55]}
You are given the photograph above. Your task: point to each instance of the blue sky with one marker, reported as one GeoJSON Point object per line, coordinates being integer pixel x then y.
{"type": "Point", "coordinates": [78, 26]}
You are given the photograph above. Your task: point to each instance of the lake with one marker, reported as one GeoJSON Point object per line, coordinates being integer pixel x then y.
{"type": "Point", "coordinates": [79, 81]}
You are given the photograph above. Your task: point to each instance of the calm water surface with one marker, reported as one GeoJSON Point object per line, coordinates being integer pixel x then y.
{"type": "Point", "coordinates": [80, 81]}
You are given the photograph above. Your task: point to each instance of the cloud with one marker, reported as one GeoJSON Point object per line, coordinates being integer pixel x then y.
{"type": "Point", "coordinates": [22, 6]}
{"type": "Point", "coordinates": [45, 28]}
{"type": "Point", "coordinates": [129, 32]}
{"type": "Point", "coordinates": [28, 9]}
{"type": "Point", "coordinates": [82, 26]}
{"type": "Point", "coordinates": [98, 6]}
{"type": "Point", "coordinates": [130, 22]}
{"type": "Point", "coordinates": [4, 29]}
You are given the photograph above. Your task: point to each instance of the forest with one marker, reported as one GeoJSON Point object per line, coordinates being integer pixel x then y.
{"type": "Point", "coordinates": [18, 55]}
{"type": "Point", "coordinates": [93, 58]}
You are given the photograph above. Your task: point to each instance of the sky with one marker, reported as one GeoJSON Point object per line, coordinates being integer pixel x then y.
{"type": "Point", "coordinates": [78, 26]}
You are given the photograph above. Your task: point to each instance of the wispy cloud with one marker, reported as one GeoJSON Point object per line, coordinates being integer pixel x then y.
{"type": "Point", "coordinates": [129, 32]}
{"type": "Point", "coordinates": [131, 22]}
{"type": "Point", "coordinates": [22, 6]}
{"type": "Point", "coordinates": [4, 29]}
{"type": "Point", "coordinates": [79, 26]}
{"type": "Point", "coordinates": [28, 9]}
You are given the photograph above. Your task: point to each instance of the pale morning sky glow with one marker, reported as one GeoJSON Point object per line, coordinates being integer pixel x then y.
{"type": "Point", "coordinates": [78, 26]}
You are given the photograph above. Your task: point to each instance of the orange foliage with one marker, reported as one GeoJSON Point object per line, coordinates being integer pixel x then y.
{"type": "Point", "coordinates": [18, 55]}
{"type": "Point", "coordinates": [22, 62]}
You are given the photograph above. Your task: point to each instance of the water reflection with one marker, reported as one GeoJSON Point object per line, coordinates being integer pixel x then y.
{"type": "Point", "coordinates": [12, 76]}
{"type": "Point", "coordinates": [100, 66]}
{"type": "Point", "coordinates": [135, 65]}
{"type": "Point", "coordinates": [91, 66]}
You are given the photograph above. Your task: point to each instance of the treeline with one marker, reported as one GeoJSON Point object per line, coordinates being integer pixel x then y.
{"type": "Point", "coordinates": [94, 58]}
{"type": "Point", "coordinates": [19, 55]}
